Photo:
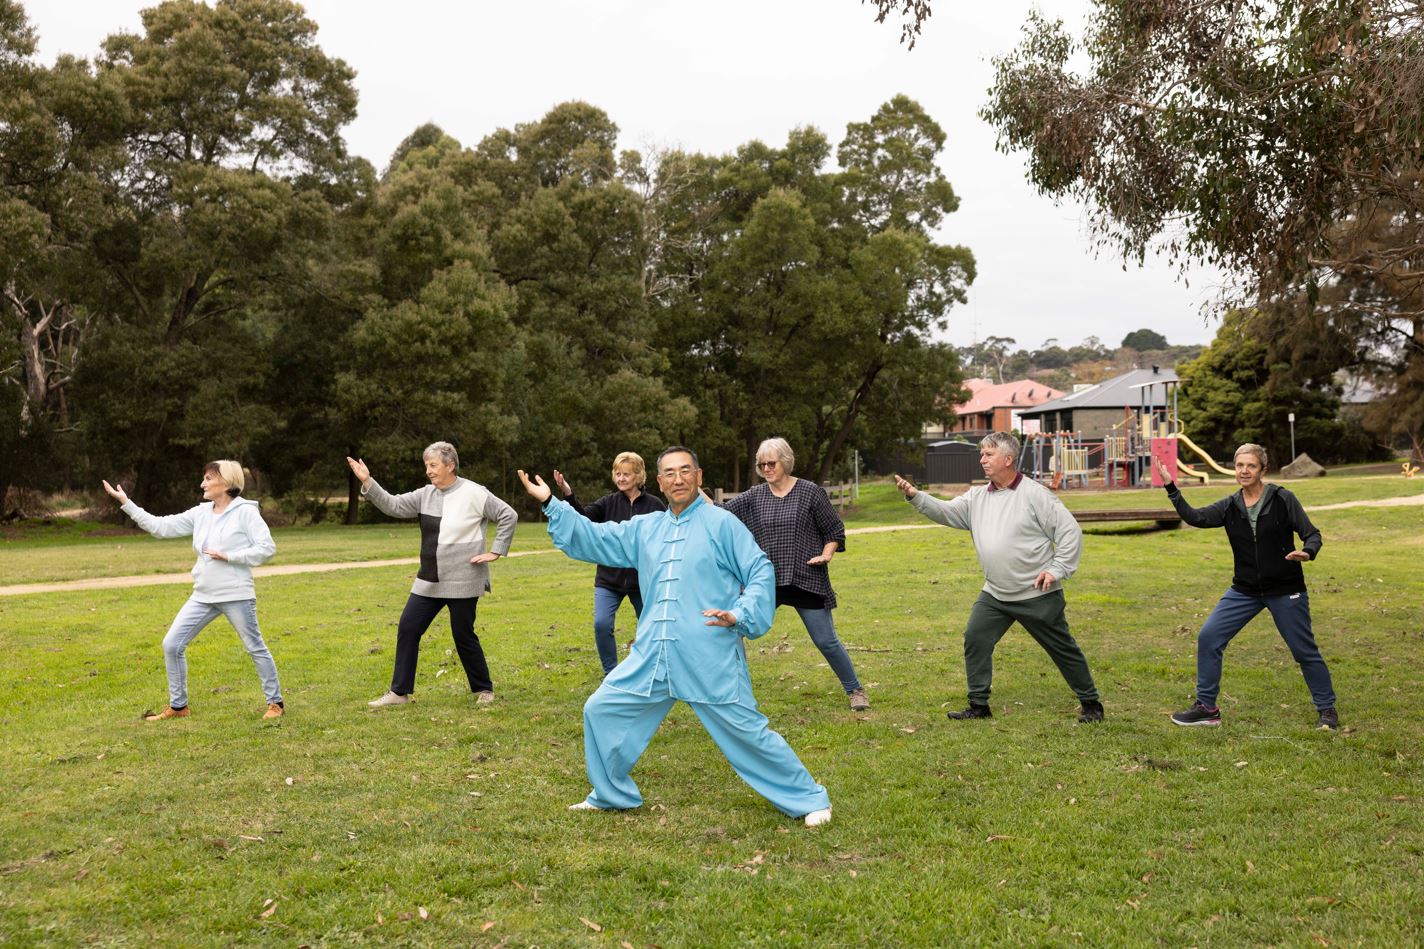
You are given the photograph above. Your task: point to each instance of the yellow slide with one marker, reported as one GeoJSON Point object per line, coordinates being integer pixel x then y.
{"type": "Point", "coordinates": [1229, 472]}
{"type": "Point", "coordinates": [1190, 472]}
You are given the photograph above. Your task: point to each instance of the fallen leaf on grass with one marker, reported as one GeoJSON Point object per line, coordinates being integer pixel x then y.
{"type": "Point", "coordinates": [380, 920]}
{"type": "Point", "coordinates": [908, 730]}
{"type": "Point", "coordinates": [81, 874]}
{"type": "Point", "coordinates": [271, 908]}
{"type": "Point", "coordinates": [1250, 867]}
{"type": "Point", "coordinates": [591, 924]}
{"type": "Point", "coordinates": [250, 837]}
{"type": "Point", "coordinates": [521, 886]}
{"type": "Point", "coordinates": [487, 926]}
{"type": "Point", "coordinates": [424, 914]}
{"type": "Point", "coordinates": [1320, 939]}
{"type": "Point", "coordinates": [993, 837]}
{"type": "Point", "coordinates": [626, 944]}
{"type": "Point", "coordinates": [291, 781]}
{"type": "Point", "coordinates": [1240, 764]}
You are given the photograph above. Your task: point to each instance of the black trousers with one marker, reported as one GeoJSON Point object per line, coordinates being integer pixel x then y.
{"type": "Point", "coordinates": [419, 613]}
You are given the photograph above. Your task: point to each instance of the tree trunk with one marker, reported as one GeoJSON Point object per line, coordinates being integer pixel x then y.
{"type": "Point", "coordinates": [837, 444]}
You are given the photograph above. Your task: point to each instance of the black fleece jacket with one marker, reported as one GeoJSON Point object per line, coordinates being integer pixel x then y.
{"type": "Point", "coordinates": [612, 508]}
{"type": "Point", "coordinates": [1261, 565]}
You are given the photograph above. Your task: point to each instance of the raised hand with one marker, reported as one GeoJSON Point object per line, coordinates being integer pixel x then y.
{"type": "Point", "coordinates": [359, 469]}
{"type": "Point", "coordinates": [537, 489]}
{"type": "Point", "coordinates": [563, 485]}
{"type": "Point", "coordinates": [906, 488]}
{"type": "Point", "coordinates": [1162, 471]}
{"type": "Point", "coordinates": [116, 491]}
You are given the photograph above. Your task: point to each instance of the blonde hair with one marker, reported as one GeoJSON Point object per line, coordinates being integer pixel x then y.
{"type": "Point", "coordinates": [632, 460]}
{"type": "Point", "coordinates": [783, 451]}
{"type": "Point", "coordinates": [230, 472]}
{"type": "Point", "coordinates": [1251, 448]}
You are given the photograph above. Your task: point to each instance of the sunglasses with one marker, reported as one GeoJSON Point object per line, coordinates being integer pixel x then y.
{"type": "Point", "coordinates": [765, 465]}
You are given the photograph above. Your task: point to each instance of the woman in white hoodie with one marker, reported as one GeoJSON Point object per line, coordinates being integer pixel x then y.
{"type": "Point", "coordinates": [230, 539]}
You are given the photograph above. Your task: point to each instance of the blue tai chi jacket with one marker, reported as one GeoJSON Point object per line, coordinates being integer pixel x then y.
{"type": "Point", "coordinates": [702, 559]}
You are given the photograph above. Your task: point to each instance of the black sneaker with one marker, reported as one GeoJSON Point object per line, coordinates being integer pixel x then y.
{"type": "Point", "coordinates": [973, 711]}
{"type": "Point", "coordinates": [1329, 718]}
{"type": "Point", "coordinates": [1198, 714]}
{"type": "Point", "coordinates": [1091, 712]}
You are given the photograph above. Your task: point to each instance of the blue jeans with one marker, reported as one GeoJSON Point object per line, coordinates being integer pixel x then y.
{"type": "Point", "coordinates": [605, 610]}
{"type": "Point", "coordinates": [189, 622]}
{"type": "Point", "coordinates": [823, 633]}
{"type": "Point", "coordinates": [1291, 611]}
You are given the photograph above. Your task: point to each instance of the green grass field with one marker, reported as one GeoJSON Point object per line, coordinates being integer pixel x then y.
{"type": "Point", "coordinates": [444, 822]}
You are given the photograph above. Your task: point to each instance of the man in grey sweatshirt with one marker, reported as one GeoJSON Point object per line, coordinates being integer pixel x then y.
{"type": "Point", "coordinates": [454, 564]}
{"type": "Point", "coordinates": [1027, 544]}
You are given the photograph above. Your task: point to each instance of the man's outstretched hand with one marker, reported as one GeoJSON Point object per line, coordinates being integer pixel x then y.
{"type": "Point", "coordinates": [537, 489]}
{"type": "Point", "coordinates": [720, 617]}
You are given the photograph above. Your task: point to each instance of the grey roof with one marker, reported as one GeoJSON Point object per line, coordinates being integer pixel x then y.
{"type": "Point", "coordinates": [1114, 393]}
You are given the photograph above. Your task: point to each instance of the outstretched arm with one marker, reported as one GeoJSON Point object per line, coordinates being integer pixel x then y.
{"type": "Point", "coordinates": [1213, 515]}
{"type": "Point", "coordinates": [952, 513]}
{"type": "Point", "coordinates": [612, 545]}
{"type": "Point", "coordinates": [174, 525]}
{"type": "Point", "coordinates": [392, 505]}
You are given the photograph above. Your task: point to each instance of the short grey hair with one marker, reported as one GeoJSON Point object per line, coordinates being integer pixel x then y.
{"type": "Point", "coordinates": [444, 451]}
{"type": "Point", "coordinates": [1001, 442]}
{"type": "Point", "coordinates": [1251, 448]}
{"type": "Point", "coordinates": [782, 449]}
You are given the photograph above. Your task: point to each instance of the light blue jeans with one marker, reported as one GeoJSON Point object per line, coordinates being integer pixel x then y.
{"type": "Point", "coordinates": [605, 611]}
{"type": "Point", "coordinates": [822, 628]}
{"type": "Point", "coordinates": [189, 622]}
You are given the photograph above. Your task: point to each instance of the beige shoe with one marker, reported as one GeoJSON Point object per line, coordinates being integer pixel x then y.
{"type": "Point", "coordinates": [167, 713]}
{"type": "Point", "coordinates": [274, 711]}
{"type": "Point", "coordinates": [817, 818]}
{"type": "Point", "coordinates": [859, 701]}
{"type": "Point", "coordinates": [391, 698]}
{"type": "Point", "coordinates": [484, 698]}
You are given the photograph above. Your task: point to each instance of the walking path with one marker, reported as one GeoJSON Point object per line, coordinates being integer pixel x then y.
{"type": "Point", "coordinates": [284, 570]}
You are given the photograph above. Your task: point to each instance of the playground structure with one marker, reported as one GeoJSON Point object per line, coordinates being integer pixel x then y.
{"type": "Point", "coordinates": [1123, 457]}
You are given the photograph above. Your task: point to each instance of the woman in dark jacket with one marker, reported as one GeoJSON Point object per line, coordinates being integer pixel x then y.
{"type": "Point", "coordinates": [793, 521]}
{"type": "Point", "coordinates": [612, 584]}
{"type": "Point", "coordinates": [1261, 521]}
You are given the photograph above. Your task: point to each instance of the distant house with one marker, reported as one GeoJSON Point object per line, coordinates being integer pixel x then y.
{"type": "Point", "coordinates": [1092, 411]}
{"type": "Point", "coordinates": [994, 406]}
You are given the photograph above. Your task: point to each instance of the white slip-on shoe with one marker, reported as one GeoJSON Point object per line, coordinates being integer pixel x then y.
{"type": "Point", "coordinates": [817, 818]}
{"type": "Point", "coordinates": [585, 806]}
{"type": "Point", "coordinates": [391, 698]}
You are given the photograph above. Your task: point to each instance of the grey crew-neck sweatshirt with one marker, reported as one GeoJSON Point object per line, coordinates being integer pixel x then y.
{"type": "Point", "coordinates": [1018, 533]}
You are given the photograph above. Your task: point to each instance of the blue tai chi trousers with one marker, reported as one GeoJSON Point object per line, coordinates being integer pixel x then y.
{"type": "Point", "coordinates": [618, 725]}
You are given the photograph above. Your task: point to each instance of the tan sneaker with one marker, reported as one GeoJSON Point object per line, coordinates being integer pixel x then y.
{"type": "Point", "coordinates": [167, 713]}
{"type": "Point", "coordinates": [485, 697]}
{"type": "Point", "coordinates": [859, 701]}
{"type": "Point", "coordinates": [274, 711]}
{"type": "Point", "coordinates": [391, 698]}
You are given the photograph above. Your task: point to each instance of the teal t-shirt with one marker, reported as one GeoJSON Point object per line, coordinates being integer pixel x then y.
{"type": "Point", "coordinates": [1253, 511]}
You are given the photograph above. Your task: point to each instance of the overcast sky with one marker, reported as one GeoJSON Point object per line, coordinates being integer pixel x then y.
{"type": "Point", "coordinates": [710, 75]}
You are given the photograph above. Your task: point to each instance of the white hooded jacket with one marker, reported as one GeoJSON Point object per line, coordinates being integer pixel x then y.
{"type": "Point", "coordinates": [239, 532]}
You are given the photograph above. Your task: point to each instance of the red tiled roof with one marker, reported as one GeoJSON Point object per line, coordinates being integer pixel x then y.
{"type": "Point", "coordinates": [987, 395]}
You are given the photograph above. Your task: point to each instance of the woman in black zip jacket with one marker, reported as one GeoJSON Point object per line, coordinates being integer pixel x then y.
{"type": "Point", "coordinates": [612, 584]}
{"type": "Point", "coordinates": [1261, 521]}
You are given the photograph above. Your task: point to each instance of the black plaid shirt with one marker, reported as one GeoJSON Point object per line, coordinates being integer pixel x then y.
{"type": "Point", "coordinates": [792, 530]}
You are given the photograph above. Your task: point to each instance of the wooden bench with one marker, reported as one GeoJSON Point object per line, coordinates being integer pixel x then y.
{"type": "Point", "coordinates": [1165, 520]}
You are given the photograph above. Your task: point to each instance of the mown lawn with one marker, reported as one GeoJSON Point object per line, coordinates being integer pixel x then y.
{"type": "Point", "coordinates": [1028, 829]}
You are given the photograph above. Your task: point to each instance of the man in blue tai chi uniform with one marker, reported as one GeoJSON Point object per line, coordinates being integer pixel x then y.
{"type": "Point", "coordinates": [706, 585]}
